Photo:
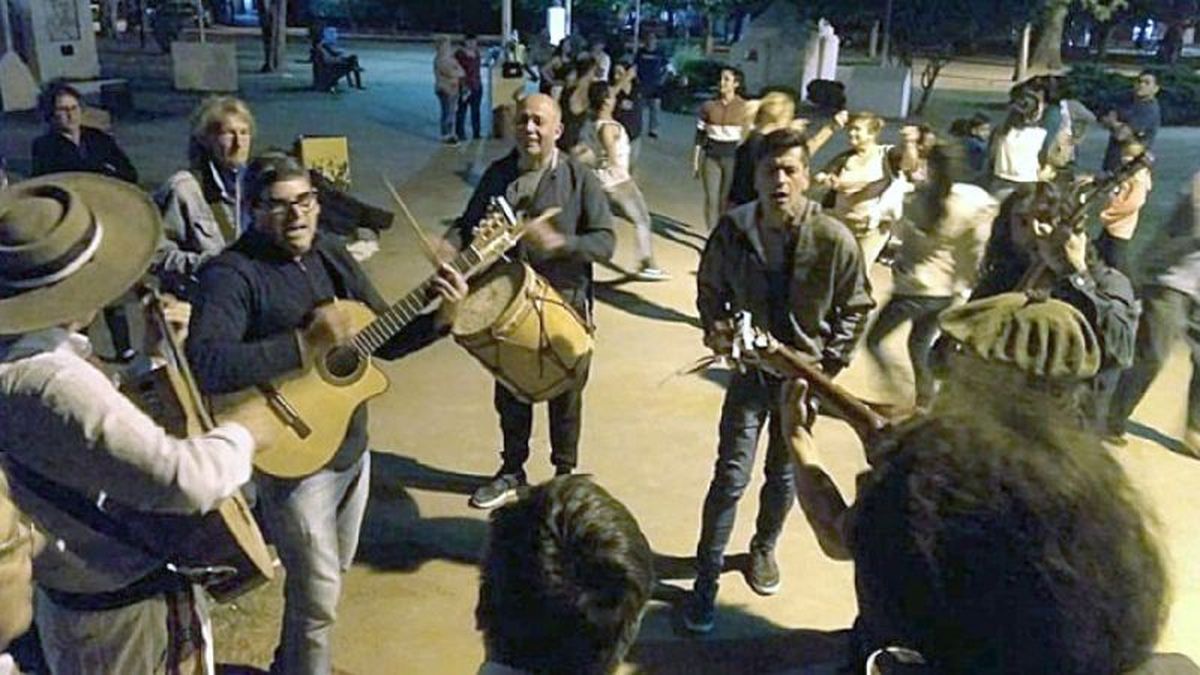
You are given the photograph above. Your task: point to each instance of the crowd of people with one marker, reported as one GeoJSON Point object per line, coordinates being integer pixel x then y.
{"type": "Point", "coordinates": [993, 531]}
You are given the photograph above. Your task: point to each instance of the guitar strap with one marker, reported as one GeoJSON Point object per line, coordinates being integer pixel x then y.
{"type": "Point", "coordinates": [228, 229]}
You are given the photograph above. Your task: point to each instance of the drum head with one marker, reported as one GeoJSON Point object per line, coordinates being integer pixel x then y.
{"type": "Point", "coordinates": [491, 293]}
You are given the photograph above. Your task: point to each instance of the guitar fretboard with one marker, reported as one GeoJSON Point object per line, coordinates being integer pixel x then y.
{"type": "Point", "coordinates": [389, 323]}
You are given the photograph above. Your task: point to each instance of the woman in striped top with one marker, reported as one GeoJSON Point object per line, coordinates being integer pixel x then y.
{"type": "Point", "coordinates": [720, 127]}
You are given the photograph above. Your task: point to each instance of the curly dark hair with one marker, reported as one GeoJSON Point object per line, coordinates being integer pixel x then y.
{"type": "Point", "coordinates": [565, 578]}
{"type": "Point", "coordinates": [998, 549]}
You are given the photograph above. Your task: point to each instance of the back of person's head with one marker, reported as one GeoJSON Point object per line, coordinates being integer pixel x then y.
{"type": "Point", "coordinates": [775, 109]}
{"type": "Point", "coordinates": [1024, 110]}
{"type": "Point", "coordinates": [269, 168]}
{"type": "Point", "coordinates": [585, 65]}
{"type": "Point", "coordinates": [565, 578]}
{"type": "Point", "coordinates": [992, 549]}
{"type": "Point", "coordinates": [597, 94]}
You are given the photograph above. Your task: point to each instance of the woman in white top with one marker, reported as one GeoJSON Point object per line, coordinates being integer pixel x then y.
{"type": "Point", "coordinates": [604, 144]}
{"type": "Point", "coordinates": [447, 75]}
{"type": "Point", "coordinates": [864, 180]}
{"type": "Point", "coordinates": [1016, 151]}
{"type": "Point", "coordinates": [939, 260]}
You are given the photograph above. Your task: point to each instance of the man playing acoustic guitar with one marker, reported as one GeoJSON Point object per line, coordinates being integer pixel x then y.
{"type": "Point", "coordinates": [265, 307]}
{"type": "Point", "coordinates": [800, 274]}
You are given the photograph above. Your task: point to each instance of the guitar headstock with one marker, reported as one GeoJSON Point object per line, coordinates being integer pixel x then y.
{"type": "Point", "coordinates": [499, 231]}
{"type": "Point", "coordinates": [749, 342]}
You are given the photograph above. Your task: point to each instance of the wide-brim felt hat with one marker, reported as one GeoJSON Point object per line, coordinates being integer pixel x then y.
{"type": "Point", "coordinates": [70, 243]}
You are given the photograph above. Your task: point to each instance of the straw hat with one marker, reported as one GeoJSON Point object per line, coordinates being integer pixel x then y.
{"type": "Point", "coordinates": [70, 243]}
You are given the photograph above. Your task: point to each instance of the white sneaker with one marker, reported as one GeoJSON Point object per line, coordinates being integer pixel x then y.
{"type": "Point", "coordinates": [651, 273]}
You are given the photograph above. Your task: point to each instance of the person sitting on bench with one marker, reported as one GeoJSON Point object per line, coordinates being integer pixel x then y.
{"type": "Point", "coordinates": [331, 63]}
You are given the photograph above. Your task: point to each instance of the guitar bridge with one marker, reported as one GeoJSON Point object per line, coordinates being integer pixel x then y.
{"type": "Point", "coordinates": [285, 410]}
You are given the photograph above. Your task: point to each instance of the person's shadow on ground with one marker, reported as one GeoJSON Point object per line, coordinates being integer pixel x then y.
{"type": "Point", "coordinates": [395, 537]}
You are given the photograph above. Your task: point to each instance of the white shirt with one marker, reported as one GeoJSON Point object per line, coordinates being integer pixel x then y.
{"type": "Point", "coordinates": [943, 260]}
{"type": "Point", "coordinates": [64, 419]}
{"type": "Point", "coordinates": [612, 170]}
{"type": "Point", "coordinates": [1017, 153]}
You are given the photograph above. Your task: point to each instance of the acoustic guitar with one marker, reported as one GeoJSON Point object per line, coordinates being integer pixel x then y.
{"type": "Point", "coordinates": [313, 406]}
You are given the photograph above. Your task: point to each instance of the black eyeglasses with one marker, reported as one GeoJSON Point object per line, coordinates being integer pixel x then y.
{"type": "Point", "coordinates": [304, 203]}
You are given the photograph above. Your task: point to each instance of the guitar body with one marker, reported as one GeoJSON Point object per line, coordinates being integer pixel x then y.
{"type": "Point", "coordinates": [312, 407]}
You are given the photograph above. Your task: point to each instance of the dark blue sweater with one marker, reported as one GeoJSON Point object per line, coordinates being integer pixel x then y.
{"type": "Point", "coordinates": [251, 301]}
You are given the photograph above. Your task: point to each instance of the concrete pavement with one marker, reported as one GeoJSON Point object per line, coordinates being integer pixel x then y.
{"type": "Point", "coordinates": [649, 436]}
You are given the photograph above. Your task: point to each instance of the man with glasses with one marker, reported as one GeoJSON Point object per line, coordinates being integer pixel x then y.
{"type": "Point", "coordinates": [263, 307]}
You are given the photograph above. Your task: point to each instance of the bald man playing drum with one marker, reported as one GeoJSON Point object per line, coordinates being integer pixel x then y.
{"type": "Point", "coordinates": [535, 177]}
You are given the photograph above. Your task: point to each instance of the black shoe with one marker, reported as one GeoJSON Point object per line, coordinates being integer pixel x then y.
{"type": "Point", "coordinates": [763, 575]}
{"type": "Point", "coordinates": [499, 490]}
{"type": "Point", "coordinates": [653, 134]}
{"type": "Point", "coordinates": [700, 608]}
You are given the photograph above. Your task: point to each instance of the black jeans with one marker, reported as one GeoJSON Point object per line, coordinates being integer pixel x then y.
{"type": "Point", "coordinates": [566, 421]}
{"type": "Point", "coordinates": [474, 99]}
{"type": "Point", "coordinates": [1166, 315]}
{"type": "Point", "coordinates": [751, 402]}
{"type": "Point", "coordinates": [924, 311]}
{"type": "Point", "coordinates": [118, 328]}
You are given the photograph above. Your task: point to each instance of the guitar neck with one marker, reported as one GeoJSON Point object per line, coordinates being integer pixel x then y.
{"type": "Point", "coordinates": [389, 323]}
{"type": "Point", "coordinates": [865, 421]}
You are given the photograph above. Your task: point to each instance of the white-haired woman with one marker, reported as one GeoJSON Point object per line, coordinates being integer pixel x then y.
{"type": "Point", "coordinates": [202, 205]}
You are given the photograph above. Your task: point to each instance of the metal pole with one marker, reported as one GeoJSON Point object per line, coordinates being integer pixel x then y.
{"type": "Point", "coordinates": [637, 23]}
{"type": "Point", "coordinates": [568, 7]}
{"type": "Point", "coordinates": [5, 28]}
{"type": "Point", "coordinates": [200, 19]}
{"type": "Point", "coordinates": [506, 19]}
{"type": "Point", "coordinates": [885, 54]}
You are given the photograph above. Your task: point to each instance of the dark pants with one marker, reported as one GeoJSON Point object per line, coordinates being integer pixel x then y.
{"type": "Point", "coordinates": [566, 421]}
{"type": "Point", "coordinates": [716, 174]}
{"type": "Point", "coordinates": [118, 328]}
{"type": "Point", "coordinates": [1114, 252]}
{"type": "Point", "coordinates": [923, 311]}
{"type": "Point", "coordinates": [1166, 314]}
{"type": "Point", "coordinates": [473, 99]}
{"type": "Point", "coordinates": [751, 401]}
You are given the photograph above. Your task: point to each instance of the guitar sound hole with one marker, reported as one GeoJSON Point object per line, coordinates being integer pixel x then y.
{"type": "Point", "coordinates": [341, 361]}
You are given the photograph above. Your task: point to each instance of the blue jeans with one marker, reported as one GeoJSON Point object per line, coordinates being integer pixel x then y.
{"type": "Point", "coordinates": [449, 106]}
{"type": "Point", "coordinates": [750, 401]}
{"type": "Point", "coordinates": [314, 523]}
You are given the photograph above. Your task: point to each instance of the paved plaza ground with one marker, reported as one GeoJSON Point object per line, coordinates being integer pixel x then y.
{"type": "Point", "coordinates": [649, 436]}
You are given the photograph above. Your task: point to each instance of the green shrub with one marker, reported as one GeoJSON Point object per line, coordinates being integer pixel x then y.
{"type": "Point", "coordinates": [1103, 90]}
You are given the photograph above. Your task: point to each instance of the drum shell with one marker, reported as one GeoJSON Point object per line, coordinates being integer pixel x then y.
{"type": "Point", "coordinates": [537, 346]}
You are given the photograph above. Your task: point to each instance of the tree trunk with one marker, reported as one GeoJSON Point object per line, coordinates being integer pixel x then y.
{"type": "Point", "coordinates": [279, 34]}
{"type": "Point", "coordinates": [708, 34]}
{"type": "Point", "coordinates": [1047, 55]}
{"type": "Point", "coordinates": [1103, 39]}
{"type": "Point", "coordinates": [265, 25]}
{"type": "Point", "coordinates": [109, 13]}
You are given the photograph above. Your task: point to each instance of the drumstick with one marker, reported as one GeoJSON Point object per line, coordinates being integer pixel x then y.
{"type": "Point", "coordinates": [426, 245]}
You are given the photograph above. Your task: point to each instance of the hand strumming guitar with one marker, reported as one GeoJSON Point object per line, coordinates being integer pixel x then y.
{"type": "Point", "coordinates": [452, 288]}
{"type": "Point", "coordinates": [329, 325]}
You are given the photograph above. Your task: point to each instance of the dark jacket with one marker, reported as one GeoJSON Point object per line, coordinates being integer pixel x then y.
{"type": "Point", "coordinates": [97, 152]}
{"type": "Point", "coordinates": [253, 298]}
{"type": "Point", "coordinates": [585, 221]}
{"type": "Point", "coordinates": [1143, 117]}
{"type": "Point", "coordinates": [829, 294]}
{"type": "Point", "coordinates": [1104, 295]}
